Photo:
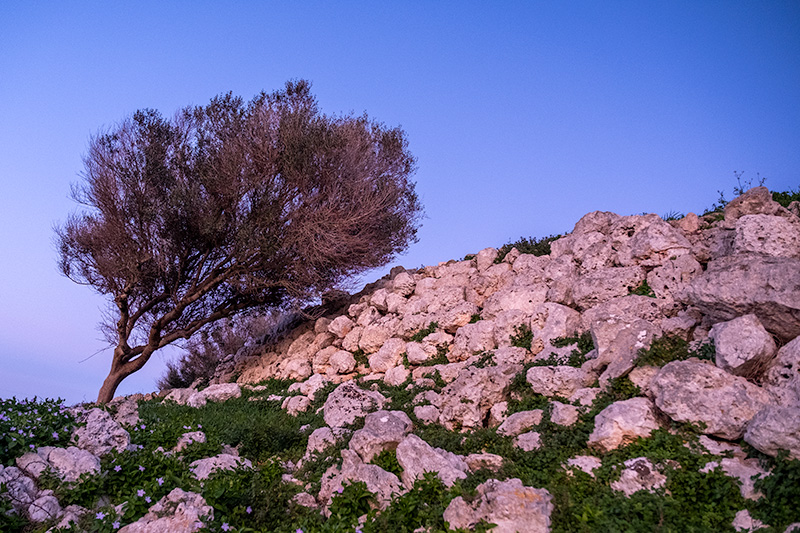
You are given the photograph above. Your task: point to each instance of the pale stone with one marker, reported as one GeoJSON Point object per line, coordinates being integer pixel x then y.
{"type": "Point", "coordinates": [368, 316]}
{"type": "Point", "coordinates": [618, 342]}
{"type": "Point", "coordinates": [428, 414]}
{"type": "Point", "coordinates": [507, 324]}
{"type": "Point", "coordinates": [203, 468]}
{"type": "Point", "coordinates": [768, 235]}
{"type": "Point", "coordinates": [673, 276]}
{"type": "Point", "coordinates": [692, 391]}
{"type": "Point", "coordinates": [584, 396]}
{"type": "Point", "coordinates": [188, 438]}
{"type": "Point", "coordinates": [383, 430]}
{"type": "Point", "coordinates": [474, 338]}
{"type": "Point", "coordinates": [342, 362]}
{"type": "Point", "coordinates": [641, 376]}
{"type": "Point", "coordinates": [20, 489]}
{"type": "Point", "coordinates": [755, 201]}
{"type": "Point", "coordinates": [564, 414]}
{"type": "Point", "coordinates": [215, 393]}
{"type": "Point", "coordinates": [466, 401]}
{"type": "Point", "coordinates": [404, 284]}
{"type": "Point", "coordinates": [603, 284]}
{"type": "Point", "coordinates": [311, 386]}
{"type": "Point", "coordinates": [745, 470]}
{"type": "Point", "coordinates": [177, 512]}
{"type": "Point", "coordinates": [653, 244]}
{"type": "Point", "coordinates": [396, 376]}
{"type": "Point", "coordinates": [560, 381]}
{"type": "Point", "coordinates": [485, 258]}
{"type": "Point", "coordinates": [743, 346]}
{"type": "Point", "coordinates": [497, 414]}
{"type": "Point", "coordinates": [388, 356]}
{"type": "Point", "coordinates": [523, 298]}
{"type": "Point", "coordinates": [782, 379]}
{"type": "Point", "coordinates": [297, 369]}
{"type": "Point", "coordinates": [101, 434]}
{"type": "Point", "coordinates": [585, 463]}
{"type": "Point", "coordinates": [294, 405]}
{"type": "Point", "coordinates": [373, 337]}
{"type": "Point", "coordinates": [513, 507]}
{"type": "Point", "coordinates": [528, 442]}
{"type": "Point", "coordinates": [44, 508]}
{"type": "Point", "coordinates": [520, 422]}
{"type": "Point", "coordinates": [418, 353]}
{"type": "Point", "coordinates": [417, 457]}
{"type": "Point", "coordinates": [348, 402]}
{"type": "Point", "coordinates": [322, 438]}
{"type": "Point", "coordinates": [551, 320]}
{"type": "Point", "coordinates": [483, 461]}
{"type": "Point", "coordinates": [514, 355]}
{"type": "Point", "coordinates": [768, 287]}
{"type": "Point", "coordinates": [351, 340]}
{"type": "Point", "coordinates": [381, 483]}
{"type": "Point", "coordinates": [621, 423]}
{"type": "Point", "coordinates": [639, 474]}
{"type": "Point", "coordinates": [775, 428]}
{"type": "Point", "coordinates": [591, 250]}
{"type": "Point", "coordinates": [179, 396]}
{"type": "Point", "coordinates": [746, 523]}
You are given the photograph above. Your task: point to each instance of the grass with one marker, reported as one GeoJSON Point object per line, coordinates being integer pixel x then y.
{"type": "Point", "coordinates": [529, 245]}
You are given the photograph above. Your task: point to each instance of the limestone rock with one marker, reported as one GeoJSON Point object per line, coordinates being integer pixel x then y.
{"type": "Point", "coordinates": [388, 355]}
{"type": "Point", "coordinates": [743, 346]}
{"type": "Point", "coordinates": [383, 430]}
{"type": "Point", "coordinates": [639, 474]}
{"type": "Point", "coordinates": [524, 298]}
{"type": "Point", "coordinates": [528, 442]}
{"type": "Point", "coordinates": [396, 376]}
{"type": "Point", "coordinates": [203, 468]}
{"type": "Point", "coordinates": [67, 463]}
{"type": "Point", "coordinates": [673, 276]}
{"type": "Point", "coordinates": [177, 512]}
{"type": "Point", "coordinates": [768, 287]}
{"type": "Point", "coordinates": [188, 438]}
{"type": "Point", "coordinates": [295, 405]}
{"type": "Point", "coordinates": [509, 504]}
{"type": "Point", "coordinates": [557, 380]}
{"type": "Point", "coordinates": [483, 461]}
{"type": "Point", "coordinates": [43, 508]}
{"type": "Point", "coordinates": [603, 284]}
{"type": "Point", "coordinates": [623, 422]}
{"type": "Point", "coordinates": [215, 393]}
{"type": "Point", "coordinates": [348, 402]}
{"type": "Point", "coordinates": [428, 414]}
{"type": "Point", "coordinates": [755, 201]}
{"type": "Point", "coordinates": [520, 422]}
{"type": "Point", "coordinates": [404, 284]}
{"type": "Point", "coordinates": [618, 342]}
{"type": "Point", "coordinates": [564, 414]}
{"type": "Point", "coordinates": [585, 463]}
{"type": "Point", "coordinates": [417, 457]}
{"type": "Point", "coordinates": [381, 483]}
{"type": "Point", "coordinates": [691, 391]}
{"type": "Point", "coordinates": [551, 320]}
{"type": "Point", "coordinates": [745, 523]}
{"type": "Point", "coordinates": [179, 396]}
{"type": "Point", "coordinates": [341, 326]}
{"type": "Point", "coordinates": [101, 434]}
{"type": "Point", "coordinates": [474, 338]}
{"type": "Point", "coordinates": [20, 488]}
{"type": "Point", "coordinates": [767, 235]}
{"type": "Point", "coordinates": [745, 470]}
{"type": "Point", "coordinates": [782, 378]}
{"type": "Point", "coordinates": [775, 428]}
{"type": "Point", "coordinates": [322, 438]}
{"type": "Point", "coordinates": [466, 401]}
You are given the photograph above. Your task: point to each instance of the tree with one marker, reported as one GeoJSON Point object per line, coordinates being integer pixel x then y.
{"type": "Point", "coordinates": [228, 207]}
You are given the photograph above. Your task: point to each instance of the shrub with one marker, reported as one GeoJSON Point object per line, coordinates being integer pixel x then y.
{"type": "Point", "coordinates": [522, 337]}
{"type": "Point", "coordinates": [643, 290]}
{"type": "Point", "coordinates": [671, 348]}
{"type": "Point", "coordinates": [421, 334]}
{"type": "Point", "coordinates": [530, 245]}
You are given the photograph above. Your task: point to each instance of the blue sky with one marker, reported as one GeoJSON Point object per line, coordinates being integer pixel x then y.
{"type": "Point", "coordinates": [523, 116]}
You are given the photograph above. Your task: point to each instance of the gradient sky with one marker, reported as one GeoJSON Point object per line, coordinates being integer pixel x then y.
{"type": "Point", "coordinates": [524, 116]}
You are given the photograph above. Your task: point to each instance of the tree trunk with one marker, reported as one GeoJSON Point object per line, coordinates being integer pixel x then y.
{"type": "Point", "coordinates": [110, 385]}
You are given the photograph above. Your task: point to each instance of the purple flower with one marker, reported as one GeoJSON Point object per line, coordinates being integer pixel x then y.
{"type": "Point", "coordinates": [55, 435]}
{"type": "Point", "coordinates": [140, 493]}
{"type": "Point", "coordinates": [249, 510]}
{"type": "Point", "coordinates": [160, 481]}
{"type": "Point", "coordinates": [31, 446]}
{"type": "Point", "coordinates": [299, 530]}
{"type": "Point", "coordinates": [141, 468]}
{"type": "Point", "coordinates": [199, 426]}
{"type": "Point", "coordinates": [147, 499]}
{"type": "Point", "coordinates": [225, 526]}
{"type": "Point", "coordinates": [187, 427]}
{"type": "Point", "coordinates": [100, 515]}
{"type": "Point", "coordinates": [340, 490]}
{"type": "Point", "coordinates": [142, 426]}
{"type": "Point", "coordinates": [117, 468]}
{"type": "Point", "coordinates": [115, 525]}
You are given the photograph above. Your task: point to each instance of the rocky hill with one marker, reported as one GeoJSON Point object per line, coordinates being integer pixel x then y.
{"type": "Point", "coordinates": [643, 375]}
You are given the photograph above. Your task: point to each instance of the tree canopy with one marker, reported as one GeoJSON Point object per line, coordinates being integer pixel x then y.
{"type": "Point", "coordinates": [231, 206]}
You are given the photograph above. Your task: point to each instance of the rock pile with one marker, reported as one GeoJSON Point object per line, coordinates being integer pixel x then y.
{"type": "Point", "coordinates": [462, 324]}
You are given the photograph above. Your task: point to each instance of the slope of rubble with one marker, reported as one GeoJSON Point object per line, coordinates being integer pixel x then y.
{"type": "Point", "coordinates": [642, 376]}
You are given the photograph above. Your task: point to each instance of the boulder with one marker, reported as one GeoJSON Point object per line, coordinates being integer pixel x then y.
{"type": "Point", "coordinates": [404, 284]}
{"type": "Point", "coordinates": [322, 438]}
{"type": "Point", "coordinates": [745, 523]}
{"type": "Point", "coordinates": [768, 287]}
{"type": "Point", "coordinates": [524, 298]}
{"type": "Point", "coordinates": [560, 381]}
{"type": "Point", "coordinates": [564, 414]}
{"type": "Point", "coordinates": [69, 463]}
{"type": "Point", "coordinates": [381, 483]}
{"type": "Point", "coordinates": [782, 378]}
{"type": "Point", "coordinates": [585, 463]}
{"type": "Point", "coordinates": [101, 434]}
{"type": "Point", "coordinates": [745, 470]}
{"type": "Point", "coordinates": [388, 356]}
{"type": "Point", "coordinates": [44, 508]}
{"type": "Point", "coordinates": [188, 438]}
{"type": "Point", "coordinates": [341, 326]}
{"type": "Point", "coordinates": [743, 347]}
{"type": "Point", "coordinates": [417, 457]}
{"type": "Point", "coordinates": [551, 320]}
{"type": "Point", "coordinates": [215, 393]}
{"type": "Point", "coordinates": [618, 342]}
{"type": "Point", "coordinates": [603, 284]}
{"type": "Point", "coordinates": [767, 235]}
{"type": "Point", "coordinates": [520, 423]}
{"type": "Point", "coordinates": [348, 402]}
{"type": "Point", "coordinates": [755, 201]}
{"type": "Point", "coordinates": [20, 489]}
{"type": "Point", "coordinates": [474, 338]}
{"type": "Point", "coordinates": [622, 423]}
{"type": "Point", "coordinates": [427, 414]}
{"type": "Point", "coordinates": [466, 401]}
{"type": "Point", "coordinates": [177, 512]}
{"type": "Point", "coordinates": [203, 468]}
{"type": "Point", "coordinates": [775, 428]}
{"type": "Point", "coordinates": [509, 504]}
{"type": "Point", "coordinates": [673, 276]}
{"type": "Point", "coordinates": [653, 244]}
{"type": "Point", "coordinates": [484, 461]}
{"type": "Point", "coordinates": [639, 474]}
{"type": "Point", "coordinates": [527, 442]}
{"type": "Point", "coordinates": [692, 391]}
{"type": "Point", "coordinates": [383, 430]}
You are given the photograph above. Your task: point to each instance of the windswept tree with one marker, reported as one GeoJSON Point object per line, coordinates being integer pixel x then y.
{"type": "Point", "coordinates": [231, 206]}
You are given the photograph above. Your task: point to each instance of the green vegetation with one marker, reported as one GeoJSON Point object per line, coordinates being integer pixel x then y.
{"type": "Point", "coordinates": [522, 337]}
{"type": "Point", "coordinates": [29, 424]}
{"type": "Point", "coordinates": [787, 197]}
{"type": "Point", "coordinates": [643, 290]}
{"type": "Point", "coordinates": [671, 348]}
{"type": "Point", "coordinates": [530, 245]}
{"type": "Point", "coordinates": [421, 334]}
